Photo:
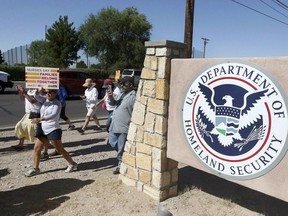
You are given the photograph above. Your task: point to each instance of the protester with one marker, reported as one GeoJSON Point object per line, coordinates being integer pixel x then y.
{"type": "Point", "coordinates": [109, 85]}
{"type": "Point", "coordinates": [49, 119]}
{"type": "Point", "coordinates": [121, 117]}
{"type": "Point", "coordinates": [62, 94]}
{"type": "Point", "coordinates": [24, 129]}
{"type": "Point", "coordinates": [91, 98]}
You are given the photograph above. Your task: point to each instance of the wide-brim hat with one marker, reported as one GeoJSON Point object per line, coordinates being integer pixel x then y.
{"type": "Point", "coordinates": [89, 82]}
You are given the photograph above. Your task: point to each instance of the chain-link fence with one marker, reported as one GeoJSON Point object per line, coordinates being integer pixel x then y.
{"type": "Point", "coordinates": [17, 55]}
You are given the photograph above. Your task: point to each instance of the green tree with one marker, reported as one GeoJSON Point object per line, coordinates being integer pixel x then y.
{"type": "Point", "coordinates": [63, 43]}
{"type": "Point", "coordinates": [81, 64]}
{"type": "Point", "coordinates": [116, 38]}
{"type": "Point", "coordinates": [38, 54]}
{"type": "Point", "coordinates": [1, 58]}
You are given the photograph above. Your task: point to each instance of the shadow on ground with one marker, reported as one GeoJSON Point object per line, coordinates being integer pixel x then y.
{"type": "Point", "coordinates": [245, 197]}
{"type": "Point", "coordinates": [8, 138]}
{"type": "Point", "coordinates": [39, 199]}
{"type": "Point", "coordinates": [4, 172]}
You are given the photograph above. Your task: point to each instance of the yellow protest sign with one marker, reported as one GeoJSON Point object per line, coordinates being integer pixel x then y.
{"type": "Point", "coordinates": [45, 77]}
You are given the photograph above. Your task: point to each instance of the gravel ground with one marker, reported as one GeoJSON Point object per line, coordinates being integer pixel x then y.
{"type": "Point", "coordinates": [94, 190]}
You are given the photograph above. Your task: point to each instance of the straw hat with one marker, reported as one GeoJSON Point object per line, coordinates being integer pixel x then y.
{"type": "Point", "coordinates": [89, 82]}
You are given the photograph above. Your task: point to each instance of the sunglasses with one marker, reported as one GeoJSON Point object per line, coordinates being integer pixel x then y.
{"type": "Point", "coordinates": [125, 84]}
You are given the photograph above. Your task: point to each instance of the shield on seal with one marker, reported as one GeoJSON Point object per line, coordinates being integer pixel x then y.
{"type": "Point", "coordinates": [227, 120]}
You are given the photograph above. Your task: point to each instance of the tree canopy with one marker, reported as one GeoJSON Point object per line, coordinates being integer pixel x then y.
{"type": "Point", "coordinates": [1, 58]}
{"type": "Point", "coordinates": [63, 43]}
{"type": "Point", "coordinates": [38, 54]}
{"type": "Point", "coordinates": [81, 64]}
{"type": "Point", "coordinates": [116, 38]}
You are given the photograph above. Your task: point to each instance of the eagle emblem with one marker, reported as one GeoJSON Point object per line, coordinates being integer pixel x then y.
{"type": "Point", "coordinates": [229, 117]}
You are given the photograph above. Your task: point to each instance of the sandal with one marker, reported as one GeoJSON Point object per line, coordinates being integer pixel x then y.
{"type": "Point", "coordinates": [32, 172]}
{"type": "Point", "coordinates": [54, 153]}
{"type": "Point", "coordinates": [44, 156]}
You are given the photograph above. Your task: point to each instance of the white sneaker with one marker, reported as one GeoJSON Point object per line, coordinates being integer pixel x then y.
{"type": "Point", "coordinates": [71, 167]}
{"type": "Point", "coordinates": [32, 172]}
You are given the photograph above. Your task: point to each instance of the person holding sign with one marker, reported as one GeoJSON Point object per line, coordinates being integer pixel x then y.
{"type": "Point", "coordinates": [91, 98]}
{"type": "Point", "coordinates": [24, 129]}
{"type": "Point", "coordinates": [51, 132]}
{"type": "Point", "coordinates": [62, 95]}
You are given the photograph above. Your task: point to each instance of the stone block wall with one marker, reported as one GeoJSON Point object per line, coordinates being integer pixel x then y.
{"type": "Point", "coordinates": [145, 164]}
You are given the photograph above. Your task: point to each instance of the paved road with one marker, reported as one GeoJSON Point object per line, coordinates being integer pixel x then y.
{"type": "Point", "coordinates": [12, 109]}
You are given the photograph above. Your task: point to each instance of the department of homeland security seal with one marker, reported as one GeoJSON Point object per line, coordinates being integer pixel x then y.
{"type": "Point", "coordinates": [235, 120]}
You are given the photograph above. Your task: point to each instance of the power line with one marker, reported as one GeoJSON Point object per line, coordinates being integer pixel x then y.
{"type": "Point", "coordinates": [273, 8]}
{"type": "Point", "coordinates": [281, 3]}
{"type": "Point", "coordinates": [260, 12]}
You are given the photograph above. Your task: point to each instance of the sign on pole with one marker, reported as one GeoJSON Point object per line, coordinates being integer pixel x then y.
{"type": "Point", "coordinates": [36, 77]}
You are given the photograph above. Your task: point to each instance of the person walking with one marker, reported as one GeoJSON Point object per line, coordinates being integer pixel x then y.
{"type": "Point", "coordinates": [109, 86]}
{"type": "Point", "coordinates": [62, 94]}
{"type": "Point", "coordinates": [49, 119]}
{"type": "Point", "coordinates": [91, 98]}
{"type": "Point", "coordinates": [24, 129]}
{"type": "Point", "coordinates": [121, 118]}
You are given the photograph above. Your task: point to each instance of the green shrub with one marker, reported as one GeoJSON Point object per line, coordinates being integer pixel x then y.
{"type": "Point", "coordinates": [16, 72]}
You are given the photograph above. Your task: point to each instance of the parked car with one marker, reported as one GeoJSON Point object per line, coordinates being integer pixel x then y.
{"type": "Point", "coordinates": [5, 81]}
{"type": "Point", "coordinates": [134, 73]}
{"type": "Point", "coordinates": [73, 82]}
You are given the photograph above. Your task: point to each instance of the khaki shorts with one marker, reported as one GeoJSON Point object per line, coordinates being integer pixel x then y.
{"type": "Point", "coordinates": [91, 110]}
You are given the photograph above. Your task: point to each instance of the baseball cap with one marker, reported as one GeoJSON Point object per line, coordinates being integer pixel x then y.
{"type": "Point", "coordinates": [126, 79]}
{"type": "Point", "coordinates": [106, 83]}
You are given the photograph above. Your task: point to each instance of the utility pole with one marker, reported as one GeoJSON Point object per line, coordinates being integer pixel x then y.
{"type": "Point", "coordinates": [188, 32]}
{"type": "Point", "coordinates": [205, 43]}
{"type": "Point", "coordinates": [45, 32]}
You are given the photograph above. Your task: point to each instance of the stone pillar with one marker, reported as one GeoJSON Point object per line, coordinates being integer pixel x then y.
{"type": "Point", "coordinates": [145, 164]}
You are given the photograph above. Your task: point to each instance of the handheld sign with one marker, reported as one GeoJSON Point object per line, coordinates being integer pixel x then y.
{"type": "Point", "coordinates": [36, 77]}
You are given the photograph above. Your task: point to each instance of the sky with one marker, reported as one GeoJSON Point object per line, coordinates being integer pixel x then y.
{"type": "Point", "coordinates": [233, 30]}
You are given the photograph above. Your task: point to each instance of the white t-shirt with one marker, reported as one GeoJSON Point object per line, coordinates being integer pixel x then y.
{"type": "Point", "coordinates": [35, 107]}
{"type": "Point", "coordinates": [91, 96]}
{"type": "Point", "coordinates": [116, 94]}
{"type": "Point", "coordinates": [50, 111]}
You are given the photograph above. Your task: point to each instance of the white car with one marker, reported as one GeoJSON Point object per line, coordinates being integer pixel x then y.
{"type": "Point", "coordinates": [134, 73]}
{"type": "Point", "coordinates": [5, 81]}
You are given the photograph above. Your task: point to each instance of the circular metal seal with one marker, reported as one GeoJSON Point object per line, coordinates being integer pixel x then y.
{"type": "Point", "coordinates": [235, 120]}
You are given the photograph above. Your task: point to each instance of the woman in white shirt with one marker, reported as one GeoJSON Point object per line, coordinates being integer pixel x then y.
{"type": "Point", "coordinates": [24, 129]}
{"type": "Point", "coordinates": [49, 119]}
{"type": "Point", "coordinates": [91, 98]}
